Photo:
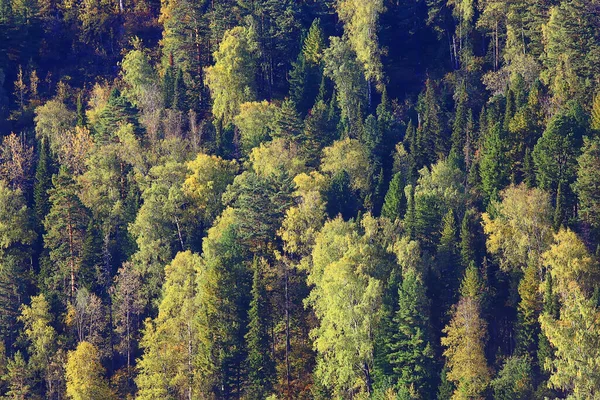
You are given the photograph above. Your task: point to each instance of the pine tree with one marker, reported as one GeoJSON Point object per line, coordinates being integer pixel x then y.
{"type": "Point", "coordinates": [118, 111]}
{"type": "Point", "coordinates": [588, 174]}
{"type": "Point", "coordinates": [42, 182]}
{"type": "Point", "coordinates": [313, 46]}
{"type": "Point", "coordinates": [448, 266]}
{"type": "Point", "coordinates": [168, 86]}
{"type": "Point", "coordinates": [464, 341]}
{"type": "Point", "coordinates": [493, 166]}
{"type": "Point", "coordinates": [433, 132]}
{"type": "Point", "coordinates": [528, 313]}
{"type": "Point", "coordinates": [179, 92]}
{"type": "Point", "coordinates": [81, 117]}
{"type": "Point", "coordinates": [394, 205]}
{"type": "Point", "coordinates": [595, 114]}
{"type": "Point", "coordinates": [261, 368]}
{"type": "Point", "coordinates": [411, 354]}
{"type": "Point", "coordinates": [18, 378]}
{"type": "Point", "coordinates": [288, 122]}
{"type": "Point", "coordinates": [459, 127]}
{"type": "Point", "coordinates": [16, 236]}
{"type": "Point", "coordinates": [65, 226]}
{"type": "Point", "coordinates": [469, 232]}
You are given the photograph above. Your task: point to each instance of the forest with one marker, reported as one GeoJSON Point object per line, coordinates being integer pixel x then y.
{"type": "Point", "coordinates": [299, 199]}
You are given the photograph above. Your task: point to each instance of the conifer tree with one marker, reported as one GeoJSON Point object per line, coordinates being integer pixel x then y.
{"type": "Point", "coordinates": [261, 368]}
{"type": "Point", "coordinates": [179, 92]}
{"type": "Point", "coordinates": [81, 117]}
{"type": "Point", "coordinates": [595, 115]}
{"type": "Point", "coordinates": [459, 127]}
{"type": "Point", "coordinates": [588, 174]}
{"type": "Point", "coordinates": [435, 141]}
{"type": "Point", "coordinates": [42, 182]}
{"type": "Point", "coordinates": [394, 204]}
{"type": "Point", "coordinates": [448, 266]}
{"type": "Point", "coordinates": [288, 122]}
{"type": "Point", "coordinates": [493, 166]}
{"type": "Point", "coordinates": [464, 342]}
{"type": "Point", "coordinates": [65, 226]}
{"type": "Point", "coordinates": [411, 354]}
{"type": "Point", "coordinates": [528, 313]}
{"type": "Point", "coordinates": [16, 236]}
{"type": "Point", "coordinates": [168, 86]}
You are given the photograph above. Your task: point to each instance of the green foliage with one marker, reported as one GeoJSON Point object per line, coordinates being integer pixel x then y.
{"type": "Point", "coordinates": [230, 87]}
{"type": "Point", "coordinates": [586, 184]}
{"type": "Point", "coordinates": [171, 340]}
{"type": "Point", "coordinates": [411, 353]}
{"type": "Point", "coordinates": [514, 381]}
{"type": "Point", "coordinates": [261, 368]}
{"type": "Point", "coordinates": [85, 374]}
{"type": "Point", "coordinates": [394, 204]}
{"type": "Point", "coordinates": [341, 66]}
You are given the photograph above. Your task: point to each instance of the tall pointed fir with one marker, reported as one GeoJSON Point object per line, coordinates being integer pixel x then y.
{"type": "Point", "coordinates": [261, 368]}
{"type": "Point", "coordinates": [411, 354]}
{"type": "Point", "coordinates": [394, 204]}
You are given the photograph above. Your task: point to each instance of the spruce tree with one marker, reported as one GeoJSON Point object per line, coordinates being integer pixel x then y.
{"type": "Point", "coordinates": [261, 368]}
{"type": "Point", "coordinates": [288, 122]}
{"type": "Point", "coordinates": [394, 204]}
{"type": "Point", "coordinates": [179, 92]}
{"type": "Point", "coordinates": [411, 354]}
{"type": "Point", "coordinates": [81, 117]}
{"type": "Point", "coordinates": [42, 182]}
{"type": "Point", "coordinates": [168, 86]}
{"type": "Point", "coordinates": [493, 166]}
{"type": "Point", "coordinates": [595, 114]}
{"type": "Point", "coordinates": [448, 266]}
{"type": "Point", "coordinates": [528, 313]}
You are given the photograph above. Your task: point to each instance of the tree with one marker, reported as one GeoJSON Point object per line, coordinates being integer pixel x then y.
{"type": "Point", "coordinates": [171, 341]}
{"type": "Point", "coordinates": [588, 174]}
{"type": "Point", "coordinates": [261, 366]}
{"type": "Point", "coordinates": [16, 160]}
{"type": "Point", "coordinates": [568, 260]}
{"type": "Point", "coordinates": [16, 236]}
{"type": "Point", "coordinates": [528, 313]}
{"type": "Point", "coordinates": [352, 157]}
{"type": "Point", "coordinates": [42, 183]}
{"type": "Point", "coordinates": [224, 287]}
{"type": "Point", "coordinates": [521, 229]}
{"type": "Point", "coordinates": [346, 300]}
{"type": "Point", "coordinates": [231, 86]}
{"type": "Point", "coordinates": [303, 222]}
{"type": "Point", "coordinates": [411, 354]}
{"type": "Point", "coordinates": [341, 66]}
{"type": "Point", "coordinates": [394, 204]}
{"type": "Point", "coordinates": [138, 74]}
{"type": "Point", "coordinates": [255, 124]}
{"type": "Point", "coordinates": [494, 166]}
{"type": "Point", "coordinates": [574, 338]}
{"type": "Point", "coordinates": [207, 180]}
{"type": "Point", "coordinates": [52, 121]}
{"type": "Point", "coordinates": [288, 122]}
{"type": "Point", "coordinates": [18, 378]}
{"type": "Point", "coordinates": [464, 350]}
{"type": "Point", "coordinates": [514, 380]}
{"type": "Point", "coordinates": [117, 111]}
{"type": "Point", "coordinates": [129, 305]}
{"type": "Point", "coordinates": [85, 374]}
{"type": "Point", "coordinates": [360, 25]}
{"type": "Point", "coordinates": [65, 227]}
{"type": "Point", "coordinates": [555, 153]}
